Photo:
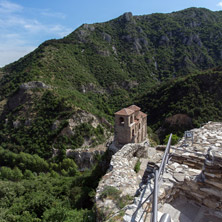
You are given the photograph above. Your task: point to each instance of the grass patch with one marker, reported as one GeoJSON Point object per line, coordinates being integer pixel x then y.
{"type": "Point", "coordinates": [137, 166]}
{"type": "Point", "coordinates": [114, 194]}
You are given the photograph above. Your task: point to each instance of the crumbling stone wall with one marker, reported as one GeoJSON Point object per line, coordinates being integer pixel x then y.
{"type": "Point", "coordinates": [203, 155]}
{"type": "Point", "coordinates": [121, 175]}
{"type": "Point", "coordinates": [194, 170]}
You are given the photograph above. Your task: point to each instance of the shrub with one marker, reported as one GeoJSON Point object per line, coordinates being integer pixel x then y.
{"type": "Point", "coordinates": [174, 139]}
{"type": "Point", "coordinates": [114, 194]}
{"type": "Point", "coordinates": [8, 173]}
{"type": "Point", "coordinates": [110, 191]}
{"type": "Point", "coordinates": [137, 166]}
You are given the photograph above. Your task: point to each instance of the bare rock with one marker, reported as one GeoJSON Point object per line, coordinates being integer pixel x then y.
{"type": "Point", "coordinates": [104, 53]}
{"type": "Point", "coordinates": [33, 85]}
{"type": "Point", "coordinates": [164, 40]}
{"type": "Point", "coordinates": [128, 16]}
{"type": "Point", "coordinates": [91, 87]}
{"type": "Point", "coordinates": [16, 124]}
{"type": "Point", "coordinates": [89, 27]}
{"type": "Point", "coordinates": [211, 203]}
{"type": "Point", "coordinates": [28, 122]}
{"type": "Point", "coordinates": [55, 125]}
{"type": "Point", "coordinates": [85, 158]}
{"type": "Point", "coordinates": [82, 116]}
{"type": "Point", "coordinates": [127, 38]}
{"type": "Point", "coordinates": [107, 37]}
{"type": "Point", "coordinates": [179, 177]}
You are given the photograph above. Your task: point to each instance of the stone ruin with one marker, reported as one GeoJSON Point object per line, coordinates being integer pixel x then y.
{"type": "Point", "coordinates": [191, 188]}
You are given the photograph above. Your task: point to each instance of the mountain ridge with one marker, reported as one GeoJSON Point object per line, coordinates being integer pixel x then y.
{"type": "Point", "coordinates": [63, 95]}
{"type": "Point", "coordinates": [104, 66]}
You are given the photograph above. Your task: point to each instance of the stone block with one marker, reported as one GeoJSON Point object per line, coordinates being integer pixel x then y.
{"type": "Point", "coordinates": [216, 184]}
{"type": "Point", "coordinates": [211, 191]}
{"type": "Point", "coordinates": [127, 218]}
{"type": "Point", "coordinates": [212, 175]}
{"type": "Point", "coordinates": [211, 203]}
{"type": "Point", "coordinates": [179, 177]}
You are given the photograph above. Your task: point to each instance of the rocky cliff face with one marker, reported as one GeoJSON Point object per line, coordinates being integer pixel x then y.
{"type": "Point", "coordinates": [35, 116]}
{"type": "Point", "coordinates": [122, 59]}
{"type": "Point", "coordinates": [86, 158]}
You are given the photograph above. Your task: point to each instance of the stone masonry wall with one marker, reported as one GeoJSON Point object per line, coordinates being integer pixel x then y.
{"type": "Point", "coordinates": [194, 170]}
{"type": "Point", "coordinates": [120, 175]}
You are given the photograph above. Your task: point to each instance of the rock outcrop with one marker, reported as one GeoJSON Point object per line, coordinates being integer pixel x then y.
{"type": "Point", "coordinates": [85, 158]}
{"type": "Point", "coordinates": [33, 85]}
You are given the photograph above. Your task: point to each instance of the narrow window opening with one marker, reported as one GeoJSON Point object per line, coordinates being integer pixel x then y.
{"type": "Point", "coordinates": [131, 119]}
{"type": "Point", "coordinates": [121, 121]}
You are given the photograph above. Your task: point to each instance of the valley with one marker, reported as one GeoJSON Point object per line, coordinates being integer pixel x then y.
{"type": "Point", "coordinates": [62, 98]}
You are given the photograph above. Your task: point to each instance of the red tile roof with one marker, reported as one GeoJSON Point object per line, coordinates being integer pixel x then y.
{"type": "Point", "coordinates": [130, 110]}
{"type": "Point", "coordinates": [141, 114]}
{"type": "Point", "coordinates": [134, 108]}
{"type": "Point", "coordinates": [125, 112]}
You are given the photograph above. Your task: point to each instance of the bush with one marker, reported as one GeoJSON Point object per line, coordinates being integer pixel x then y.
{"type": "Point", "coordinates": [137, 166]}
{"type": "Point", "coordinates": [154, 139]}
{"type": "Point", "coordinates": [174, 139]}
{"type": "Point", "coordinates": [110, 191]}
{"type": "Point", "coordinates": [8, 173]}
{"type": "Point", "coordinates": [114, 194]}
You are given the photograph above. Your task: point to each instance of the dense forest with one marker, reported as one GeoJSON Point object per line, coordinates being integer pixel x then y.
{"type": "Point", "coordinates": [168, 64]}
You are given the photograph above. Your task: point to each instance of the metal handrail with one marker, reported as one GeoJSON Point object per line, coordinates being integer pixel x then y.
{"type": "Point", "coordinates": [165, 157]}
{"type": "Point", "coordinates": [155, 197]}
{"type": "Point", "coordinates": [158, 178]}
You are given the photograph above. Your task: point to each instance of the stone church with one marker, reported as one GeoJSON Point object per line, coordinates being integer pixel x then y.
{"type": "Point", "coordinates": [130, 126]}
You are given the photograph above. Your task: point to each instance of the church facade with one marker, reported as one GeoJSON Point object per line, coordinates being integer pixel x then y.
{"type": "Point", "coordinates": [130, 126]}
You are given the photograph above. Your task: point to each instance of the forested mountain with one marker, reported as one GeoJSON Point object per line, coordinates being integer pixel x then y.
{"type": "Point", "coordinates": [63, 96]}
{"type": "Point", "coordinates": [185, 102]}
{"type": "Point", "coordinates": [121, 58]}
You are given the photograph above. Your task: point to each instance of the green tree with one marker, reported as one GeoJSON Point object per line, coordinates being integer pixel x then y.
{"type": "Point", "coordinates": [174, 139]}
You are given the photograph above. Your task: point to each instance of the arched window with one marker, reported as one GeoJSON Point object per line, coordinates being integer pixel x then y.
{"type": "Point", "coordinates": [131, 119]}
{"type": "Point", "coordinates": [121, 121]}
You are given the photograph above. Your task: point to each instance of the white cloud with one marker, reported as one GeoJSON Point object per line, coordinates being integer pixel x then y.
{"type": "Point", "coordinates": [9, 7]}
{"type": "Point", "coordinates": [48, 13]}
{"type": "Point", "coordinates": [11, 54]}
{"type": "Point", "coordinates": [12, 47]}
{"type": "Point", "coordinates": [20, 34]}
{"type": "Point", "coordinates": [220, 4]}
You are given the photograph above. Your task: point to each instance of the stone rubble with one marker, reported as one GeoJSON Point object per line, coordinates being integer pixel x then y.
{"type": "Point", "coordinates": [194, 171]}
{"type": "Point", "coordinates": [120, 175]}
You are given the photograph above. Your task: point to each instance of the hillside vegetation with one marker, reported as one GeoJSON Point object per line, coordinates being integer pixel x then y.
{"type": "Point", "coordinates": [63, 96]}
{"type": "Point", "coordinates": [102, 67]}
{"type": "Point", "coordinates": [196, 97]}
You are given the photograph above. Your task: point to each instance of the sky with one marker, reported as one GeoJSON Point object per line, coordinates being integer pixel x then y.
{"type": "Point", "coordinates": [25, 24]}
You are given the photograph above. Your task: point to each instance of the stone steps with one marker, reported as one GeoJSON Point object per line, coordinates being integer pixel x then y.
{"type": "Point", "coordinates": [184, 210]}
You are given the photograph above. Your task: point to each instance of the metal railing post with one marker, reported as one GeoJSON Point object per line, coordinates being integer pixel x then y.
{"type": "Point", "coordinates": [158, 173]}
{"type": "Point", "coordinates": [155, 197]}
{"type": "Point", "coordinates": [157, 180]}
{"type": "Point", "coordinates": [165, 157]}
